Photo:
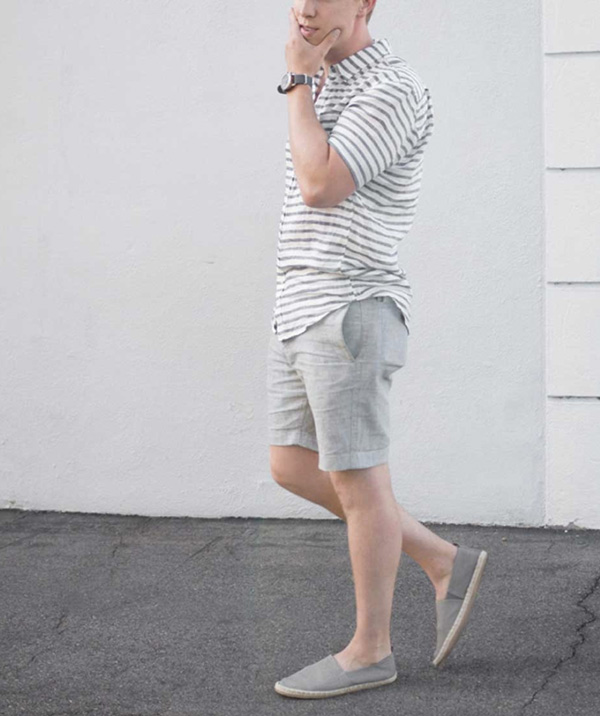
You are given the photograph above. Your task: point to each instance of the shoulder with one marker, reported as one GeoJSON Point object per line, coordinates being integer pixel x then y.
{"type": "Point", "coordinates": [396, 77]}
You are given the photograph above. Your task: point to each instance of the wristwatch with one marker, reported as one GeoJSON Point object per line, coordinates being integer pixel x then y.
{"type": "Point", "coordinates": [291, 79]}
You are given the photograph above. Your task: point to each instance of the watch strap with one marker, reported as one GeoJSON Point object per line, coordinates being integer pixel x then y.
{"type": "Point", "coordinates": [301, 79]}
{"type": "Point", "coordinates": [297, 78]}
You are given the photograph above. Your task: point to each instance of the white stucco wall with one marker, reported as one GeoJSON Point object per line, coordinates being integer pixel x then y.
{"type": "Point", "coordinates": [572, 182]}
{"type": "Point", "coordinates": [142, 146]}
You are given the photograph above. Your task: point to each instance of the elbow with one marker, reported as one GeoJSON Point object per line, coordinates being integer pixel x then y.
{"type": "Point", "coordinates": [315, 198]}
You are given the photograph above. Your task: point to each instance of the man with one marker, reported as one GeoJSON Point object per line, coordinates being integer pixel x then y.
{"type": "Point", "coordinates": [340, 324]}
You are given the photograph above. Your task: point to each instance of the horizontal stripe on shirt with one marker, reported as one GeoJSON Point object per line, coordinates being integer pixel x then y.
{"type": "Point", "coordinates": [378, 117]}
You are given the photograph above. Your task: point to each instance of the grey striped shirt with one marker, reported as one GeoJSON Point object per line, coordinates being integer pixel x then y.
{"type": "Point", "coordinates": [378, 116]}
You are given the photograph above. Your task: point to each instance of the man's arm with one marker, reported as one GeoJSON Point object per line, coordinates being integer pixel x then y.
{"type": "Point", "coordinates": [324, 179]}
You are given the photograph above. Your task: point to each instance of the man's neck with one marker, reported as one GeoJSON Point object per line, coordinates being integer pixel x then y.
{"type": "Point", "coordinates": [353, 46]}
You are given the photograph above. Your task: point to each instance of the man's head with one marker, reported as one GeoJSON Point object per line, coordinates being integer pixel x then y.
{"type": "Point", "coordinates": [351, 16]}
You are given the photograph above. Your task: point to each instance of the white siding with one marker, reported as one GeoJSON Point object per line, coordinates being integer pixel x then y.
{"type": "Point", "coordinates": [573, 460]}
{"type": "Point", "coordinates": [572, 197]}
{"type": "Point", "coordinates": [573, 225]}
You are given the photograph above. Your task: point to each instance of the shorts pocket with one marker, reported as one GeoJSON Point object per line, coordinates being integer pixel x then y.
{"type": "Point", "coordinates": [396, 338]}
{"type": "Point", "coordinates": [351, 333]}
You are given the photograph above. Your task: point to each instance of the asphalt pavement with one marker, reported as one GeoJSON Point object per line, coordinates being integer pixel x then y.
{"type": "Point", "coordinates": [115, 615]}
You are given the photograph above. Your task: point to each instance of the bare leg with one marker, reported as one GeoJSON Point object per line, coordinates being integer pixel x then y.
{"type": "Point", "coordinates": [375, 542]}
{"type": "Point", "coordinates": [296, 468]}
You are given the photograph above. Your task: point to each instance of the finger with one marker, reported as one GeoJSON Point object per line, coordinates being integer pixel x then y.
{"type": "Point", "coordinates": [294, 22]}
{"type": "Point", "coordinates": [330, 38]}
{"type": "Point", "coordinates": [333, 35]}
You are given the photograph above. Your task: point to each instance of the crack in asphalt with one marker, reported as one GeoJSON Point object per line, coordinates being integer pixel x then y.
{"type": "Point", "coordinates": [574, 646]}
{"type": "Point", "coordinates": [60, 621]}
{"type": "Point", "coordinates": [120, 543]}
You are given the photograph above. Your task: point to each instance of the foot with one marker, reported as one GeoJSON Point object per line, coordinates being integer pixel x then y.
{"type": "Point", "coordinates": [350, 660]}
{"type": "Point", "coordinates": [327, 678]}
{"type": "Point", "coordinates": [452, 613]}
{"type": "Point", "coordinates": [441, 584]}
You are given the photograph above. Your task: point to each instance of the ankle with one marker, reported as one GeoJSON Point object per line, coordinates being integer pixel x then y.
{"type": "Point", "coordinates": [368, 652]}
{"type": "Point", "coordinates": [440, 570]}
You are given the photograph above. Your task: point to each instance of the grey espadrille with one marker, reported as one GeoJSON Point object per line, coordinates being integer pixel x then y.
{"type": "Point", "coordinates": [453, 611]}
{"type": "Point", "coordinates": [327, 678]}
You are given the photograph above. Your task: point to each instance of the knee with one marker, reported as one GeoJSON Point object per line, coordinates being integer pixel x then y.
{"type": "Point", "coordinates": [360, 488]}
{"type": "Point", "coordinates": [285, 478]}
{"type": "Point", "coordinates": [341, 485]}
{"type": "Point", "coordinates": [279, 472]}
{"type": "Point", "coordinates": [292, 465]}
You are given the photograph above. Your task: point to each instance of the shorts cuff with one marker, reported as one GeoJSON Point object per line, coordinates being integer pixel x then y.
{"type": "Point", "coordinates": [285, 437]}
{"type": "Point", "coordinates": [354, 460]}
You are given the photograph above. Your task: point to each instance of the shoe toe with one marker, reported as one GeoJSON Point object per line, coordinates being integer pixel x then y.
{"type": "Point", "coordinates": [319, 676]}
{"type": "Point", "coordinates": [465, 577]}
{"type": "Point", "coordinates": [327, 677]}
{"type": "Point", "coordinates": [446, 612]}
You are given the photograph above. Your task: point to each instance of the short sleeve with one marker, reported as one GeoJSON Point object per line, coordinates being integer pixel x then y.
{"type": "Point", "coordinates": [378, 128]}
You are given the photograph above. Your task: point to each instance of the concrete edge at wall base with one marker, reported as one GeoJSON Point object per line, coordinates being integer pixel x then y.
{"type": "Point", "coordinates": [572, 526]}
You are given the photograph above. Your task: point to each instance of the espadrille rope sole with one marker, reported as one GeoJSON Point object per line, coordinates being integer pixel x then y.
{"type": "Point", "coordinates": [300, 694]}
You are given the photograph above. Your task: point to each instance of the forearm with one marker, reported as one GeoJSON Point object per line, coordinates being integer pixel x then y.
{"type": "Point", "coordinates": [308, 142]}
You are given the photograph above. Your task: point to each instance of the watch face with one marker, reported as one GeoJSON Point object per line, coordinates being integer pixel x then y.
{"type": "Point", "coordinates": [286, 80]}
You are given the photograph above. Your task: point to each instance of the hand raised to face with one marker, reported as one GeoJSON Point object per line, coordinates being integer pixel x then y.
{"type": "Point", "coordinates": [300, 55]}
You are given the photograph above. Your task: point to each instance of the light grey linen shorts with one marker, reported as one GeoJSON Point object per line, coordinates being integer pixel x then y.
{"type": "Point", "coordinates": [328, 387]}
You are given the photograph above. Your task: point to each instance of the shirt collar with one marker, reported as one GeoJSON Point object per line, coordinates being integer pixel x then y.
{"type": "Point", "coordinates": [360, 60]}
